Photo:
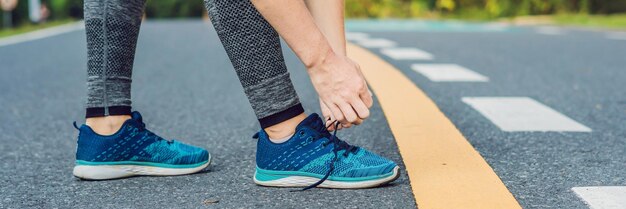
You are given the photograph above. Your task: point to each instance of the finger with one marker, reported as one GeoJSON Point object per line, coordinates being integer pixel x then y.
{"type": "Point", "coordinates": [362, 111]}
{"type": "Point", "coordinates": [358, 121]}
{"type": "Point", "coordinates": [350, 116]}
{"type": "Point", "coordinates": [330, 123]}
{"type": "Point", "coordinates": [366, 97]}
{"type": "Point", "coordinates": [337, 114]}
{"type": "Point", "coordinates": [325, 111]}
{"type": "Point", "coordinates": [328, 116]}
{"type": "Point", "coordinates": [325, 114]}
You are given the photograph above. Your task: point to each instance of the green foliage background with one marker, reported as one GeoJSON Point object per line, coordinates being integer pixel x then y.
{"type": "Point", "coordinates": [466, 9]}
{"type": "Point", "coordinates": [478, 9]}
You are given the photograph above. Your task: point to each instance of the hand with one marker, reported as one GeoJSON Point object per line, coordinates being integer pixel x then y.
{"type": "Point", "coordinates": [328, 117]}
{"type": "Point", "coordinates": [342, 89]}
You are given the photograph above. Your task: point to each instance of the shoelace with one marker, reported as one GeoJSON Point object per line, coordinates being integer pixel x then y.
{"type": "Point", "coordinates": [142, 127]}
{"type": "Point", "coordinates": [338, 146]}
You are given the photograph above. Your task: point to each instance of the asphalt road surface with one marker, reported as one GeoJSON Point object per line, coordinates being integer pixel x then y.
{"type": "Point", "coordinates": [186, 88]}
{"type": "Point", "coordinates": [579, 73]}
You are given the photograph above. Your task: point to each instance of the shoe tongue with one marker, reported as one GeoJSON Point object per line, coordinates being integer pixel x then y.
{"type": "Point", "coordinates": [313, 121]}
{"type": "Point", "coordinates": [136, 116]}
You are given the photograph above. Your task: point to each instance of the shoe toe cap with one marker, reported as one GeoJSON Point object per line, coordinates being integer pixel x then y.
{"type": "Point", "coordinates": [192, 154]}
{"type": "Point", "coordinates": [377, 170]}
{"type": "Point", "coordinates": [198, 156]}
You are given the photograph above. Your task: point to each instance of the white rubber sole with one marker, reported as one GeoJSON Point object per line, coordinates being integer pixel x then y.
{"type": "Point", "coordinates": [104, 172]}
{"type": "Point", "coordinates": [304, 181]}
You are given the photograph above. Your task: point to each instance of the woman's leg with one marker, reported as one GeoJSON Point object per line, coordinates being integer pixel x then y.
{"type": "Point", "coordinates": [112, 28]}
{"type": "Point", "coordinates": [115, 143]}
{"type": "Point", "coordinates": [312, 157]}
{"type": "Point", "coordinates": [254, 49]}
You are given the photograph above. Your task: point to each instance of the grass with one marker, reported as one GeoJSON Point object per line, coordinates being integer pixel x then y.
{"type": "Point", "coordinates": [616, 21]}
{"type": "Point", "coordinates": [31, 27]}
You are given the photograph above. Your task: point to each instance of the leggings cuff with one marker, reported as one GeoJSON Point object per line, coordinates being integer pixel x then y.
{"type": "Point", "coordinates": [281, 116]}
{"type": "Point", "coordinates": [113, 110]}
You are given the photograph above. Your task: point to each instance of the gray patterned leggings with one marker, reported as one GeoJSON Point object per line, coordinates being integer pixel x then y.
{"type": "Point", "coordinates": [252, 45]}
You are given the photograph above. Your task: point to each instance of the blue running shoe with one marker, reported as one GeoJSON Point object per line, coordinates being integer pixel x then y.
{"type": "Point", "coordinates": [133, 151]}
{"type": "Point", "coordinates": [315, 158]}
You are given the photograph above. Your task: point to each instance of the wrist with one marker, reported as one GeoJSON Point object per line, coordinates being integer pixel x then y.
{"type": "Point", "coordinates": [324, 54]}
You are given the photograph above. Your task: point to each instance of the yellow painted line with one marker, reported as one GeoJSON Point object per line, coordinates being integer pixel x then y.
{"type": "Point", "coordinates": [444, 169]}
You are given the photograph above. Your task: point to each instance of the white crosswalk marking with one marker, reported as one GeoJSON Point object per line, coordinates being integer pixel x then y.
{"type": "Point", "coordinates": [523, 114]}
{"type": "Point", "coordinates": [407, 54]}
{"type": "Point", "coordinates": [43, 33]}
{"type": "Point", "coordinates": [496, 26]}
{"type": "Point", "coordinates": [616, 35]}
{"type": "Point", "coordinates": [376, 43]}
{"type": "Point", "coordinates": [605, 197]}
{"type": "Point", "coordinates": [448, 73]}
{"type": "Point", "coordinates": [356, 36]}
{"type": "Point", "coordinates": [547, 30]}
